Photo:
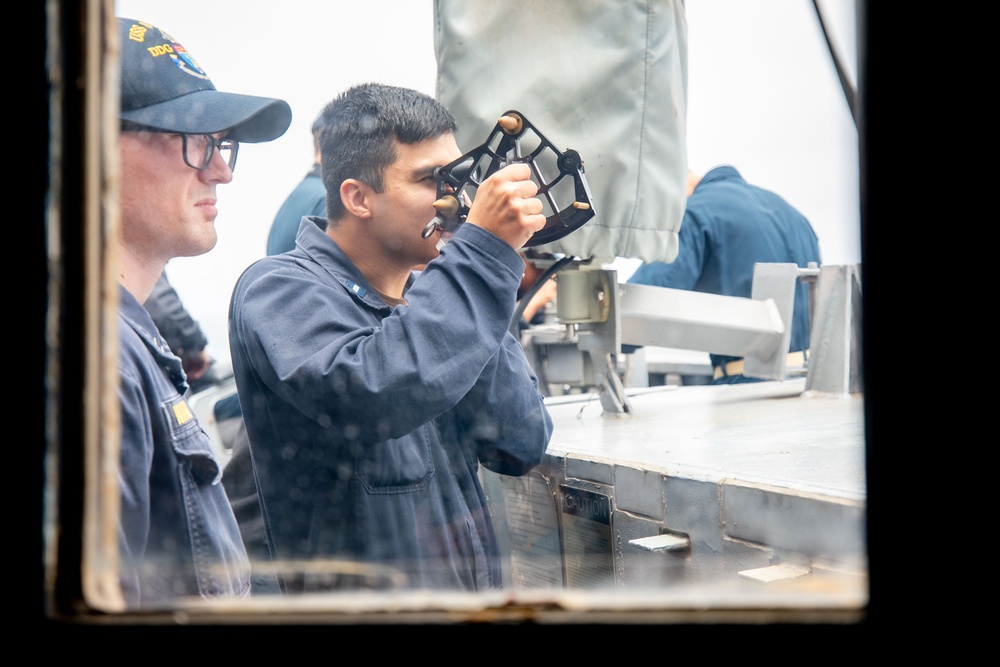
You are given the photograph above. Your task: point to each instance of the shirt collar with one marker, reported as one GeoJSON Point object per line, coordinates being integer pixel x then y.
{"type": "Point", "coordinates": [313, 241]}
{"type": "Point", "coordinates": [139, 320]}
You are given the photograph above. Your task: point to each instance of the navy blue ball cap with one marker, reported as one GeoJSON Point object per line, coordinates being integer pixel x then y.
{"type": "Point", "coordinates": [164, 88]}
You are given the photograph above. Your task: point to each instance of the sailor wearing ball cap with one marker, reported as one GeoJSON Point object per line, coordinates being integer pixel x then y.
{"type": "Point", "coordinates": [179, 140]}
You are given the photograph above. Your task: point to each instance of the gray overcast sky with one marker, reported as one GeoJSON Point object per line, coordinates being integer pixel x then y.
{"type": "Point", "coordinates": [763, 95]}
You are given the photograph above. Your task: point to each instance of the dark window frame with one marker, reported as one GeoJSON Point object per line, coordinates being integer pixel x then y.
{"type": "Point", "coordinates": [76, 294]}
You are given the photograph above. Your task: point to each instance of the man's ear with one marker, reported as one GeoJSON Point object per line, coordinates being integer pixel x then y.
{"type": "Point", "coordinates": [356, 197]}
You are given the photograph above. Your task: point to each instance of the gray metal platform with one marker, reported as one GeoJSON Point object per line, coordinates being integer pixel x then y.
{"type": "Point", "coordinates": [763, 432]}
{"type": "Point", "coordinates": [721, 492]}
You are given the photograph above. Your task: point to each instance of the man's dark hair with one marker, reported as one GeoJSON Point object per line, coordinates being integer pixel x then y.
{"type": "Point", "coordinates": [361, 127]}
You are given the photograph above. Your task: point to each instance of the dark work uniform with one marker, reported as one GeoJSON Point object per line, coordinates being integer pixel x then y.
{"type": "Point", "coordinates": [177, 532]}
{"type": "Point", "coordinates": [308, 198]}
{"type": "Point", "coordinates": [730, 225]}
{"type": "Point", "coordinates": [367, 422]}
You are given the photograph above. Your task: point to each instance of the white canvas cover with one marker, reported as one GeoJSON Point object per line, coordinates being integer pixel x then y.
{"type": "Point", "coordinates": [607, 78]}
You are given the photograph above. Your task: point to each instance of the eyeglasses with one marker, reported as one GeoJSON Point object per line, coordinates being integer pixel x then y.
{"type": "Point", "coordinates": [198, 149]}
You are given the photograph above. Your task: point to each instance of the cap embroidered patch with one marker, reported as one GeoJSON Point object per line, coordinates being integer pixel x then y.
{"type": "Point", "coordinates": [175, 51]}
{"type": "Point", "coordinates": [186, 63]}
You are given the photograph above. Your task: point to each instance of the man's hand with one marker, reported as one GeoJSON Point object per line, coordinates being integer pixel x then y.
{"type": "Point", "coordinates": [195, 363]}
{"type": "Point", "coordinates": [506, 205]}
{"type": "Point", "coordinates": [545, 294]}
